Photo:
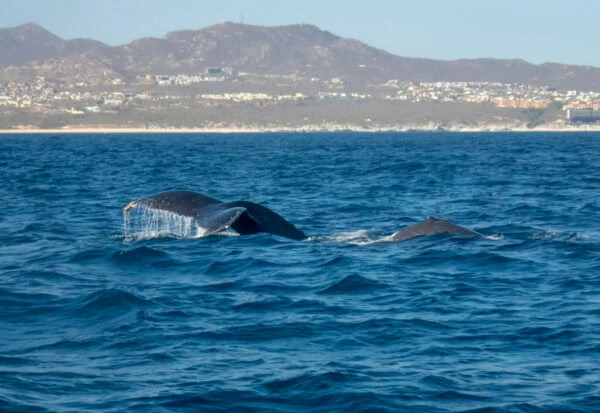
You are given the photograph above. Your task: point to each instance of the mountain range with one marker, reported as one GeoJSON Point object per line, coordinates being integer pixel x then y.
{"type": "Point", "coordinates": [301, 49]}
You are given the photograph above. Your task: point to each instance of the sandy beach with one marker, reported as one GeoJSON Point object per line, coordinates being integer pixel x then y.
{"type": "Point", "coordinates": [305, 128]}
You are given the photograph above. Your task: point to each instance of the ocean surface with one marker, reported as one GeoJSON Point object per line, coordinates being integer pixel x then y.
{"type": "Point", "coordinates": [96, 315]}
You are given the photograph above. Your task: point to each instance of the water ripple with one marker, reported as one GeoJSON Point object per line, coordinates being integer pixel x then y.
{"type": "Point", "coordinates": [354, 284]}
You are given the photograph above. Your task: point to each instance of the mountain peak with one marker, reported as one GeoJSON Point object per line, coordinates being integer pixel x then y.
{"type": "Point", "coordinates": [30, 32]}
{"type": "Point", "coordinates": [27, 42]}
{"type": "Point", "coordinates": [228, 27]}
{"type": "Point", "coordinates": [302, 49]}
{"type": "Point", "coordinates": [30, 26]}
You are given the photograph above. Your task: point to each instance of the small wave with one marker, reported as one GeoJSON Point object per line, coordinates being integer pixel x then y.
{"type": "Point", "coordinates": [10, 298]}
{"type": "Point", "coordinates": [144, 236]}
{"type": "Point", "coordinates": [412, 166]}
{"type": "Point", "coordinates": [354, 284]}
{"type": "Point", "coordinates": [223, 286]}
{"type": "Point", "coordinates": [360, 237]}
{"type": "Point", "coordinates": [556, 235]}
{"type": "Point", "coordinates": [495, 237]}
{"type": "Point", "coordinates": [366, 237]}
{"type": "Point", "coordinates": [455, 396]}
{"type": "Point", "coordinates": [50, 278]}
{"type": "Point", "coordinates": [281, 304]}
{"type": "Point", "coordinates": [16, 238]}
{"type": "Point", "coordinates": [545, 235]}
{"type": "Point", "coordinates": [107, 302]}
{"type": "Point", "coordinates": [264, 305]}
{"type": "Point", "coordinates": [522, 207]}
{"type": "Point", "coordinates": [66, 345]}
{"type": "Point", "coordinates": [140, 252]}
{"type": "Point", "coordinates": [261, 332]}
{"type": "Point", "coordinates": [390, 326]}
{"type": "Point", "coordinates": [149, 235]}
{"type": "Point", "coordinates": [577, 236]}
{"type": "Point", "coordinates": [331, 397]}
{"type": "Point", "coordinates": [273, 287]}
{"type": "Point", "coordinates": [479, 259]}
{"type": "Point", "coordinates": [228, 267]}
{"type": "Point", "coordinates": [14, 406]}
{"type": "Point", "coordinates": [14, 361]}
{"type": "Point", "coordinates": [438, 381]}
{"type": "Point", "coordinates": [435, 351]}
{"type": "Point", "coordinates": [589, 207]}
{"type": "Point", "coordinates": [310, 382]}
{"type": "Point", "coordinates": [143, 255]}
{"type": "Point", "coordinates": [576, 373]}
{"type": "Point", "coordinates": [545, 334]}
{"type": "Point", "coordinates": [335, 261]}
{"type": "Point", "coordinates": [89, 255]}
{"type": "Point", "coordinates": [591, 179]}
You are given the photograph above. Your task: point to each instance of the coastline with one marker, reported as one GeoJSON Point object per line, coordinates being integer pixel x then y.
{"type": "Point", "coordinates": [301, 129]}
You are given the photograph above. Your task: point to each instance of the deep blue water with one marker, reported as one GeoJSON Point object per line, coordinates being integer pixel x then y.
{"type": "Point", "coordinates": [92, 319]}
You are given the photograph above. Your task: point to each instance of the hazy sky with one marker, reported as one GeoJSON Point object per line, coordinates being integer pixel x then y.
{"type": "Point", "coordinates": [535, 30]}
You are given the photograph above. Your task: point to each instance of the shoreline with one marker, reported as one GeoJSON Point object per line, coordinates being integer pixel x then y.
{"type": "Point", "coordinates": [302, 129]}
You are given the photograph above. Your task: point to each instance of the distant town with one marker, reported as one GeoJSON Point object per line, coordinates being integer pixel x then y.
{"type": "Point", "coordinates": [216, 88]}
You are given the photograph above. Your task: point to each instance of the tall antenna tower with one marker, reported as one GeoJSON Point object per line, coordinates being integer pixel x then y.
{"type": "Point", "coordinates": [242, 17]}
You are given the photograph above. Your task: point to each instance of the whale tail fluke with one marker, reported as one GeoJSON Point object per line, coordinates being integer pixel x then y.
{"type": "Point", "coordinates": [257, 218]}
{"type": "Point", "coordinates": [214, 216]}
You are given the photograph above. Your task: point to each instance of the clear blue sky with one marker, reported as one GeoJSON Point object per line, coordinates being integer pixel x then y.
{"type": "Point", "coordinates": [535, 30]}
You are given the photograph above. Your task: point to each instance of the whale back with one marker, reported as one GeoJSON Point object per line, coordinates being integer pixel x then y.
{"type": "Point", "coordinates": [431, 226]}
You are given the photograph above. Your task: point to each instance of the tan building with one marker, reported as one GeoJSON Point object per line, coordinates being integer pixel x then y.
{"type": "Point", "coordinates": [26, 102]}
{"type": "Point", "coordinates": [591, 106]}
{"type": "Point", "coordinates": [522, 103]}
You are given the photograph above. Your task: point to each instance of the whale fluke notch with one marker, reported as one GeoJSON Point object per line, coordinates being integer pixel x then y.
{"type": "Point", "coordinates": [431, 226]}
{"type": "Point", "coordinates": [257, 218]}
{"type": "Point", "coordinates": [214, 216]}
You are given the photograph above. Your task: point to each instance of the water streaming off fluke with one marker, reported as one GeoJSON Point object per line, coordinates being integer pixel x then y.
{"type": "Point", "coordinates": [142, 222]}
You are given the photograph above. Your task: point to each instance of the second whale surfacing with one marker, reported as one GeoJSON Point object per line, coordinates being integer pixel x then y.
{"type": "Point", "coordinates": [216, 216]}
{"type": "Point", "coordinates": [432, 226]}
{"type": "Point", "coordinates": [247, 218]}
